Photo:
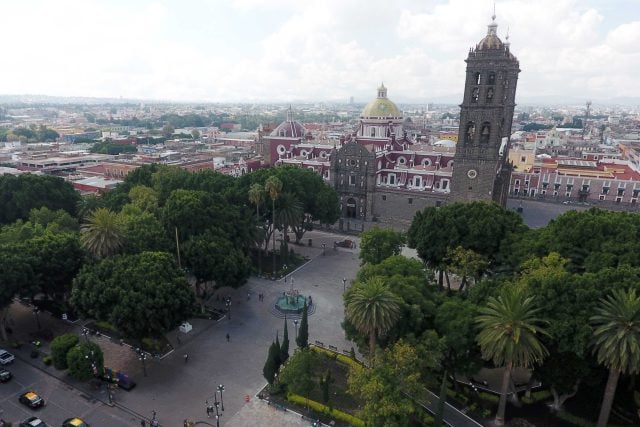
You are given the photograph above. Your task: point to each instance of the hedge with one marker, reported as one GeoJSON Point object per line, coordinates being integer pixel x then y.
{"type": "Point", "coordinates": [537, 396]}
{"type": "Point", "coordinates": [323, 409]}
{"type": "Point", "coordinates": [337, 356]}
{"type": "Point", "coordinates": [60, 346]}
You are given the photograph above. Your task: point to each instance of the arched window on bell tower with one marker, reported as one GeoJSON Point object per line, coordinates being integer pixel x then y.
{"type": "Point", "coordinates": [485, 133]}
{"type": "Point", "coordinates": [476, 78]}
{"type": "Point", "coordinates": [475, 94]}
{"type": "Point", "coordinates": [470, 132]}
{"type": "Point", "coordinates": [489, 95]}
{"type": "Point", "coordinates": [491, 80]}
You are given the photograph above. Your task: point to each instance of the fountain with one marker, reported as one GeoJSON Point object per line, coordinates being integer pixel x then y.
{"type": "Point", "coordinates": [291, 302]}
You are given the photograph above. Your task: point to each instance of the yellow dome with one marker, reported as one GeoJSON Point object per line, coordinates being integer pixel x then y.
{"type": "Point", "coordinates": [381, 106]}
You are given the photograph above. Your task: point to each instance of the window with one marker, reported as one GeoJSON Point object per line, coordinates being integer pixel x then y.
{"type": "Point", "coordinates": [486, 132]}
{"type": "Point", "coordinates": [601, 197]}
{"type": "Point", "coordinates": [392, 179]}
{"type": "Point", "coordinates": [475, 94]}
{"type": "Point", "coordinates": [373, 131]}
{"type": "Point", "coordinates": [517, 182]}
{"type": "Point", "coordinates": [445, 184]}
{"type": "Point", "coordinates": [523, 159]}
{"type": "Point", "coordinates": [417, 181]}
{"type": "Point", "coordinates": [636, 192]}
{"type": "Point", "coordinates": [470, 132]}
{"type": "Point", "coordinates": [618, 199]}
{"type": "Point", "coordinates": [605, 190]}
{"type": "Point", "coordinates": [569, 188]}
{"type": "Point", "coordinates": [352, 180]}
{"type": "Point", "coordinates": [489, 95]}
{"type": "Point", "coordinates": [410, 200]}
{"type": "Point", "coordinates": [620, 191]}
{"type": "Point", "coordinates": [384, 198]}
{"type": "Point", "coordinates": [585, 188]}
{"type": "Point", "coordinates": [545, 185]}
{"type": "Point", "coordinates": [476, 78]}
{"type": "Point", "coordinates": [491, 80]}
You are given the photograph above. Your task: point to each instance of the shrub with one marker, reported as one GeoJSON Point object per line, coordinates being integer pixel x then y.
{"type": "Point", "coordinates": [152, 345]}
{"type": "Point", "coordinates": [537, 396]}
{"type": "Point", "coordinates": [106, 327]}
{"type": "Point", "coordinates": [488, 397]}
{"type": "Point", "coordinates": [337, 356]}
{"type": "Point", "coordinates": [60, 347]}
{"type": "Point", "coordinates": [47, 360]}
{"type": "Point", "coordinates": [81, 360]}
{"type": "Point", "coordinates": [323, 409]}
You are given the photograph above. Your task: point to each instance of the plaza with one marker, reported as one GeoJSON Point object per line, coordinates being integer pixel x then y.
{"type": "Point", "coordinates": [177, 389]}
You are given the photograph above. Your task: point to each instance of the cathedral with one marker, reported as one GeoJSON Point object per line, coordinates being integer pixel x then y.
{"type": "Point", "coordinates": [381, 175]}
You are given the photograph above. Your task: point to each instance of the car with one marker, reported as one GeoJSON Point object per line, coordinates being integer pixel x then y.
{"type": "Point", "coordinates": [74, 422]}
{"type": "Point", "coordinates": [33, 422]}
{"type": "Point", "coordinates": [31, 399]}
{"type": "Point", "coordinates": [5, 375]}
{"type": "Point", "coordinates": [6, 357]}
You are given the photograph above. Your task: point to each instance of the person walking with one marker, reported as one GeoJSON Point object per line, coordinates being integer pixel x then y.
{"type": "Point", "coordinates": [186, 358]}
{"type": "Point", "coordinates": [228, 338]}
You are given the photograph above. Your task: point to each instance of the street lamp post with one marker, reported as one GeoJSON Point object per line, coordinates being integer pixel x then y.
{"type": "Point", "coordinates": [36, 311]}
{"type": "Point", "coordinates": [85, 332]}
{"type": "Point", "coordinates": [142, 356]}
{"type": "Point", "coordinates": [324, 246]}
{"type": "Point", "coordinates": [221, 390]}
{"type": "Point", "coordinates": [94, 367]}
{"type": "Point", "coordinates": [295, 323]}
{"type": "Point", "coordinates": [228, 305]}
{"type": "Point", "coordinates": [154, 420]}
{"type": "Point", "coordinates": [344, 284]}
{"type": "Point", "coordinates": [216, 403]}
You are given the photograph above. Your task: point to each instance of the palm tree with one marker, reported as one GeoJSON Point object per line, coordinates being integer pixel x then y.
{"type": "Point", "coordinates": [273, 186]}
{"type": "Point", "coordinates": [289, 214]}
{"type": "Point", "coordinates": [509, 336]}
{"type": "Point", "coordinates": [102, 234]}
{"type": "Point", "coordinates": [256, 196]}
{"type": "Point", "coordinates": [617, 341]}
{"type": "Point", "coordinates": [372, 309]}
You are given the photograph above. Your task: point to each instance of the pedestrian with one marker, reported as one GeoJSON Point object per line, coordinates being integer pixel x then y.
{"type": "Point", "coordinates": [310, 300]}
{"type": "Point", "coordinates": [186, 358]}
{"type": "Point", "coordinates": [248, 296]}
{"type": "Point", "coordinates": [228, 338]}
{"type": "Point", "coordinates": [143, 423]}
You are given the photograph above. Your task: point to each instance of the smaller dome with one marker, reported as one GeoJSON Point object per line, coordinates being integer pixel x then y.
{"type": "Point", "coordinates": [491, 40]}
{"type": "Point", "coordinates": [290, 128]}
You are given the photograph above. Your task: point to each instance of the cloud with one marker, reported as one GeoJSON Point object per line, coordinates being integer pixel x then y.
{"type": "Point", "coordinates": [327, 50]}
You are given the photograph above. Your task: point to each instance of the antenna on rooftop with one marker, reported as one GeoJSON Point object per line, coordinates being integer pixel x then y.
{"type": "Point", "coordinates": [586, 119]}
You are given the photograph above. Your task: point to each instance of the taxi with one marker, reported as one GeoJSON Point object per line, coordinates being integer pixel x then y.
{"type": "Point", "coordinates": [31, 399]}
{"type": "Point", "coordinates": [74, 422]}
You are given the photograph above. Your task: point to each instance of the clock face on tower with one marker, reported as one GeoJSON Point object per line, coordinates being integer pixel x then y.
{"type": "Point", "coordinates": [472, 173]}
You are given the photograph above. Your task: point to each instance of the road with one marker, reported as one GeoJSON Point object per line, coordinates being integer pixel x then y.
{"type": "Point", "coordinates": [62, 400]}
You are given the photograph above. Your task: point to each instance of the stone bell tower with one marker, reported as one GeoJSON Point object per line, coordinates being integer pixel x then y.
{"type": "Point", "coordinates": [481, 169]}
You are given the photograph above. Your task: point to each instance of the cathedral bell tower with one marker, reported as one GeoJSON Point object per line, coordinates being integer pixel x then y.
{"type": "Point", "coordinates": [481, 168]}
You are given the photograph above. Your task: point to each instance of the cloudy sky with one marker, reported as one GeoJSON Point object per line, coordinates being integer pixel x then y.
{"type": "Point", "coordinates": [311, 50]}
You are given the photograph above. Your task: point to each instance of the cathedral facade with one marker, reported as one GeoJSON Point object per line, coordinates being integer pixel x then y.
{"type": "Point", "coordinates": [382, 175]}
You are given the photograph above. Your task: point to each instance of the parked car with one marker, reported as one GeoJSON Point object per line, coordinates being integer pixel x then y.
{"type": "Point", "coordinates": [5, 375]}
{"type": "Point", "coordinates": [33, 422]}
{"type": "Point", "coordinates": [31, 399]}
{"type": "Point", "coordinates": [6, 357]}
{"type": "Point", "coordinates": [74, 422]}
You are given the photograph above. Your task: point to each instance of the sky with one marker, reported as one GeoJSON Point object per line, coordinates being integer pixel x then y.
{"type": "Point", "coordinates": [312, 50]}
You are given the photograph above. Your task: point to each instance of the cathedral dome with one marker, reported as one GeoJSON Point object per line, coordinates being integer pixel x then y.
{"type": "Point", "coordinates": [381, 106]}
{"type": "Point", "coordinates": [290, 128]}
{"type": "Point", "coordinates": [491, 40]}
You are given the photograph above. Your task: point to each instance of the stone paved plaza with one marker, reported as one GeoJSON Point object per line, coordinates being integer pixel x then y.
{"type": "Point", "coordinates": [178, 390]}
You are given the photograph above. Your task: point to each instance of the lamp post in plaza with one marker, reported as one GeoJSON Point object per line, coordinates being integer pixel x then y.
{"type": "Point", "coordinates": [36, 310]}
{"type": "Point", "coordinates": [344, 284]}
{"type": "Point", "coordinates": [295, 323]}
{"type": "Point", "coordinates": [154, 419]}
{"type": "Point", "coordinates": [221, 390]}
{"type": "Point", "coordinates": [85, 332]}
{"type": "Point", "coordinates": [227, 304]}
{"type": "Point", "coordinates": [217, 404]}
{"type": "Point", "coordinates": [142, 356]}
{"type": "Point", "coordinates": [324, 246]}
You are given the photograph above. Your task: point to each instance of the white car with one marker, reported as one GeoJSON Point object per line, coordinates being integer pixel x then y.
{"type": "Point", "coordinates": [6, 357]}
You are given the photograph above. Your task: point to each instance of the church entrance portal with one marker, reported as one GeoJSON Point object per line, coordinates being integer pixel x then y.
{"type": "Point", "coordinates": [351, 208]}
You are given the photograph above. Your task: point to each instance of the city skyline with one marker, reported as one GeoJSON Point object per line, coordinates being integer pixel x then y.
{"type": "Point", "coordinates": [287, 51]}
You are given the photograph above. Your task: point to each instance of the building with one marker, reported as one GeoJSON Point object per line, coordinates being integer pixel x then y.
{"type": "Point", "coordinates": [383, 175]}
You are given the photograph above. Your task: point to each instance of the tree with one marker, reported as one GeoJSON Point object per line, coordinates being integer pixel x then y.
{"type": "Point", "coordinates": [142, 295]}
{"type": "Point", "coordinates": [298, 374]}
{"type": "Point", "coordinates": [59, 219]}
{"type": "Point", "coordinates": [15, 274]}
{"type": "Point", "coordinates": [60, 347]}
{"type": "Point", "coordinates": [256, 196]}
{"type": "Point", "coordinates": [87, 204]}
{"type": "Point", "coordinates": [373, 309]}
{"type": "Point", "coordinates": [102, 234]}
{"type": "Point", "coordinates": [85, 361]}
{"type": "Point", "coordinates": [284, 349]}
{"type": "Point", "coordinates": [195, 134]}
{"type": "Point", "coordinates": [479, 226]}
{"type": "Point", "coordinates": [167, 131]}
{"type": "Point", "coordinates": [378, 244]}
{"type": "Point", "coordinates": [303, 333]}
{"type": "Point", "coordinates": [143, 232]}
{"type": "Point", "coordinates": [466, 263]}
{"type": "Point", "coordinates": [271, 365]}
{"type": "Point", "coordinates": [387, 386]}
{"type": "Point", "coordinates": [20, 194]}
{"type": "Point", "coordinates": [289, 213]}
{"type": "Point", "coordinates": [144, 198]}
{"type": "Point", "coordinates": [273, 186]}
{"type": "Point", "coordinates": [616, 339]}
{"type": "Point", "coordinates": [509, 336]}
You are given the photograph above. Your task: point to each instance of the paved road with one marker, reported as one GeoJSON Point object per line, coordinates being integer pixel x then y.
{"type": "Point", "coordinates": [62, 400]}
